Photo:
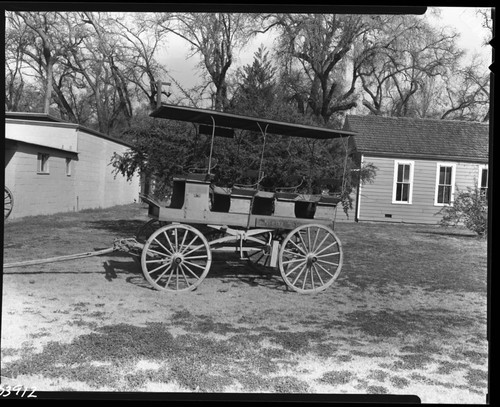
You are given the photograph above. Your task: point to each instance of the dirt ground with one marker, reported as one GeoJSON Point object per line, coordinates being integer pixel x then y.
{"type": "Point", "coordinates": [96, 325]}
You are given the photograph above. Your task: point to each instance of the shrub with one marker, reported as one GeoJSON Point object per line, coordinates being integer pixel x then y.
{"type": "Point", "coordinates": [470, 209]}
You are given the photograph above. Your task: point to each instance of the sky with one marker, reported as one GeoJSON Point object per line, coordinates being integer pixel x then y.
{"type": "Point", "coordinates": [468, 24]}
{"type": "Point", "coordinates": [463, 19]}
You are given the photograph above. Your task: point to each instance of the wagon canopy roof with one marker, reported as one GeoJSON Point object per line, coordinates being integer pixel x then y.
{"type": "Point", "coordinates": [229, 120]}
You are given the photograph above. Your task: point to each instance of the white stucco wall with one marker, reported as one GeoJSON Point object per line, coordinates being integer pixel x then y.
{"type": "Point", "coordinates": [90, 184]}
{"type": "Point", "coordinates": [62, 136]}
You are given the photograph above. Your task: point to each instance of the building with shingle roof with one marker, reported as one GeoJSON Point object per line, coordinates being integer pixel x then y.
{"type": "Point", "coordinates": [420, 163]}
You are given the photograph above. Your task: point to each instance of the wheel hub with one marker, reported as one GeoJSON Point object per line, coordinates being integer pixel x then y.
{"type": "Point", "coordinates": [311, 259]}
{"type": "Point", "coordinates": [177, 259]}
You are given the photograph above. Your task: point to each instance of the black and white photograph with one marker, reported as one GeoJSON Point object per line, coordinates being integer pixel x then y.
{"type": "Point", "coordinates": [253, 202]}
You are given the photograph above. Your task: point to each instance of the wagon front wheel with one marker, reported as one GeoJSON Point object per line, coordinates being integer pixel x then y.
{"type": "Point", "coordinates": [310, 258]}
{"type": "Point", "coordinates": [176, 258]}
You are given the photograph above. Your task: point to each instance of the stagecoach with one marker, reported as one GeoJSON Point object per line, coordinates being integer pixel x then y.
{"type": "Point", "coordinates": [279, 228]}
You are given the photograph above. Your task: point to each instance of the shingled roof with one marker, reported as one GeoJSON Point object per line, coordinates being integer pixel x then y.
{"type": "Point", "coordinates": [420, 138]}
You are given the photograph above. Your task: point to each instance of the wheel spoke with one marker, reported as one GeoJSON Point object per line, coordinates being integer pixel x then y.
{"type": "Point", "coordinates": [328, 254]}
{"type": "Point", "coordinates": [203, 256]}
{"type": "Point", "coordinates": [165, 255]}
{"type": "Point", "coordinates": [313, 248]}
{"type": "Point", "coordinates": [326, 248]}
{"type": "Point", "coordinates": [193, 250]}
{"type": "Point", "coordinates": [292, 261]}
{"type": "Point", "coordinates": [305, 278]}
{"type": "Point", "coordinates": [267, 261]}
{"type": "Point", "coordinates": [176, 240]}
{"type": "Point", "coordinates": [298, 275]}
{"type": "Point", "coordinates": [311, 269]}
{"type": "Point", "coordinates": [260, 252]}
{"type": "Point", "coordinates": [328, 262]}
{"type": "Point", "coordinates": [184, 238]}
{"type": "Point", "coordinates": [326, 237]}
{"type": "Point", "coordinates": [294, 253]}
{"type": "Point", "coordinates": [164, 248]}
{"type": "Point", "coordinates": [303, 243]}
{"type": "Point", "coordinates": [194, 264]}
{"type": "Point", "coordinates": [325, 270]}
{"type": "Point", "coordinates": [184, 275]}
{"type": "Point", "coordinates": [169, 242]}
{"type": "Point", "coordinates": [177, 277]}
{"type": "Point", "coordinates": [295, 268]}
{"type": "Point", "coordinates": [298, 247]}
{"type": "Point", "coordinates": [191, 271]}
{"type": "Point", "coordinates": [188, 245]}
{"type": "Point", "coordinates": [165, 272]}
{"type": "Point", "coordinates": [319, 275]}
{"type": "Point", "coordinates": [158, 268]}
{"type": "Point", "coordinates": [155, 261]}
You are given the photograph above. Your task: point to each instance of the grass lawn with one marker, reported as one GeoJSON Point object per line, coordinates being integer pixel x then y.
{"type": "Point", "coordinates": [407, 315]}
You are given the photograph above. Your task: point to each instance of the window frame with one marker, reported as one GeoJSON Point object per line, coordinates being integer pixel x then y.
{"type": "Point", "coordinates": [68, 166]}
{"type": "Point", "coordinates": [453, 167]}
{"type": "Point", "coordinates": [397, 163]}
{"type": "Point", "coordinates": [480, 179]}
{"type": "Point", "coordinates": [42, 166]}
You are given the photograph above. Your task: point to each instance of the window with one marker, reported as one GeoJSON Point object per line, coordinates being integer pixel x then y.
{"type": "Point", "coordinates": [68, 167]}
{"type": "Point", "coordinates": [445, 181]}
{"type": "Point", "coordinates": [403, 182]}
{"type": "Point", "coordinates": [483, 180]}
{"type": "Point", "coordinates": [43, 163]}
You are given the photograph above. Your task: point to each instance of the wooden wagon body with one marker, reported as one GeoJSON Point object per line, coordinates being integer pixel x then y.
{"type": "Point", "coordinates": [288, 230]}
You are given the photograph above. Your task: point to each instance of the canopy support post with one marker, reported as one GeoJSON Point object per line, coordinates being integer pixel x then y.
{"type": "Point", "coordinates": [262, 153]}
{"type": "Point", "coordinates": [211, 146]}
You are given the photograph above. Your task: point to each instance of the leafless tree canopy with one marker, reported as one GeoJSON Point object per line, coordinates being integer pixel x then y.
{"type": "Point", "coordinates": [101, 69]}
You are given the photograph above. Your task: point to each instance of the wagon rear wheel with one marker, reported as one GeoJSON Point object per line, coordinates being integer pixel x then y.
{"type": "Point", "coordinates": [8, 203]}
{"type": "Point", "coordinates": [310, 258]}
{"type": "Point", "coordinates": [176, 258]}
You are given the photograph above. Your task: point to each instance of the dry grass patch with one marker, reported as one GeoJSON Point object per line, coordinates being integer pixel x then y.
{"type": "Point", "coordinates": [407, 315]}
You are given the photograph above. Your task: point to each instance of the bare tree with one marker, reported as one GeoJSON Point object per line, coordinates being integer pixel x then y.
{"type": "Point", "coordinates": [320, 44]}
{"type": "Point", "coordinates": [142, 36]}
{"type": "Point", "coordinates": [397, 64]}
{"type": "Point", "coordinates": [486, 16]}
{"type": "Point", "coordinates": [214, 36]}
{"type": "Point", "coordinates": [467, 93]}
{"type": "Point", "coordinates": [15, 44]}
{"type": "Point", "coordinates": [44, 44]}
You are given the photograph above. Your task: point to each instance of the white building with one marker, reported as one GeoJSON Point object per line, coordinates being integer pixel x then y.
{"type": "Point", "coordinates": [52, 166]}
{"type": "Point", "coordinates": [421, 163]}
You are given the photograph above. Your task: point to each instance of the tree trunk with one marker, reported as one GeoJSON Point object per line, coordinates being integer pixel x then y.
{"type": "Point", "coordinates": [48, 86]}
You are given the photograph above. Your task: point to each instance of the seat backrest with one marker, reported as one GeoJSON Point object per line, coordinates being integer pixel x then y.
{"type": "Point", "coordinates": [294, 181]}
{"type": "Point", "coordinates": [253, 177]}
{"type": "Point", "coordinates": [203, 167]}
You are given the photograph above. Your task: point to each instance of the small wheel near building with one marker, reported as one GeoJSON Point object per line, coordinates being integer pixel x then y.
{"type": "Point", "coordinates": [176, 257]}
{"type": "Point", "coordinates": [310, 258]}
{"type": "Point", "coordinates": [8, 203]}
